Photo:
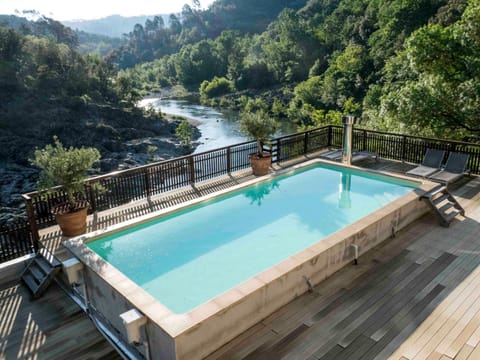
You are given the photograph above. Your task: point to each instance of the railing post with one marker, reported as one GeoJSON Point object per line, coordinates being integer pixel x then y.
{"type": "Point", "coordinates": [191, 165]}
{"type": "Point", "coordinates": [91, 195]}
{"type": "Point", "coordinates": [229, 160]}
{"type": "Point", "coordinates": [148, 184]}
{"type": "Point", "coordinates": [364, 140]}
{"type": "Point", "coordinates": [404, 148]}
{"type": "Point", "coordinates": [305, 143]}
{"type": "Point", "coordinates": [278, 151]}
{"type": "Point", "coordinates": [329, 136]}
{"type": "Point", "coordinates": [33, 221]}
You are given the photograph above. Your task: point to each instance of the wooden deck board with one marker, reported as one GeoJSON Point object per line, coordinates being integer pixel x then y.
{"type": "Point", "coordinates": [465, 352]}
{"type": "Point", "coordinates": [393, 304]}
{"type": "Point", "coordinates": [52, 327]}
{"type": "Point", "coordinates": [402, 321]}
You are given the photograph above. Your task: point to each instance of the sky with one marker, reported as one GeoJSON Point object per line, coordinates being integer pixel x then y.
{"type": "Point", "coordinates": [94, 9]}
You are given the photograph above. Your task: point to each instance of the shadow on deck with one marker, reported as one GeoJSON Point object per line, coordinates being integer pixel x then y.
{"type": "Point", "coordinates": [52, 327]}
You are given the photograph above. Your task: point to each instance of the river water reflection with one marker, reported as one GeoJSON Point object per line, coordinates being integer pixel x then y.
{"type": "Point", "coordinates": [218, 128]}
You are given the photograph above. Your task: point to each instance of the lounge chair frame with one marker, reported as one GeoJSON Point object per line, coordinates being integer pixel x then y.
{"type": "Point", "coordinates": [431, 163]}
{"type": "Point", "coordinates": [455, 168]}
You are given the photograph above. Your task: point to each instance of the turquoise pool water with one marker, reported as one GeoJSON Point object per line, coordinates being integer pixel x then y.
{"type": "Point", "coordinates": [187, 258]}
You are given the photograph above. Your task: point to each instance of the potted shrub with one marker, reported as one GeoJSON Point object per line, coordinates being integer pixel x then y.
{"type": "Point", "coordinates": [67, 167]}
{"type": "Point", "coordinates": [261, 127]}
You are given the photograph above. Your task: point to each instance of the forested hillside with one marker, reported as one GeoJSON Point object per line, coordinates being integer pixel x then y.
{"type": "Point", "coordinates": [83, 42]}
{"type": "Point", "coordinates": [41, 27]}
{"type": "Point", "coordinates": [405, 65]}
{"type": "Point", "coordinates": [47, 88]}
{"type": "Point", "coordinates": [102, 45]}
{"type": "Point", "coordinates": [158, 38]}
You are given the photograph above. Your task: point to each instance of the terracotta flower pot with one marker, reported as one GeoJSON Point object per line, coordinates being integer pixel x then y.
{"type": "Point", "coordinates": [261, 165]}
{"type": "Point", "coordinates": [72, 223]}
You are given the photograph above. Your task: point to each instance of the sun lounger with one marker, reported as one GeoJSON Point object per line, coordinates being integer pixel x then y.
{"type": "Point", "coordinates": [431, 163]}
{"type": "Point", "coordinates": [357, 155]}
{"type": "Point", "coordinates": [454, 169]}
{"type": "Point", "coordinates": [334, 155]}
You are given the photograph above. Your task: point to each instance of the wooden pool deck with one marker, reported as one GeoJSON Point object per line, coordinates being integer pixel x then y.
{"type": "Point", "coordinates": [51, 328]}
{"type": "Point", "coordinates": [417, 296]}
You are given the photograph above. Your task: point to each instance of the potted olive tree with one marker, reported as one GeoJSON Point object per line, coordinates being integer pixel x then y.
{"type": "Point", "coordinates": [261, 127]}
{"type": "Point", "coordinates": [66, 167]}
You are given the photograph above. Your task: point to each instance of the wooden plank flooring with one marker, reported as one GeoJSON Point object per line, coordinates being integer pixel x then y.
{"type": "Point", "coordinates": [52, 327]}
{"type": "Point", "coordinates": [415, 297]}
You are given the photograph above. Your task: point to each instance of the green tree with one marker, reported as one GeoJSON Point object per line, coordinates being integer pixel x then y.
{"type": "Point", "coordinates": [10, 55]}
{"type": "Point", "coordinates": [199, 62]}
{"type": "Point", "coordinates": [216, 87]}
{"type": "Point", "coordinates": [289, 47]}
{"type": "Point", "coordinates": [125, 90]}
{"type": "Point", "coordinates": [258, 125]}
{"type": "Point", "coordinates": [434, 85]}
{"type": "Point", "coordinates": [66, 167]}
{"type": "Point", "coordinates": [184, 132]}
{"type": "Point", "coordinates": [308, 92]}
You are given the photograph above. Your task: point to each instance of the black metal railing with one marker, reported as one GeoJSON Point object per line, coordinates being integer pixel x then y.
{"type": "Point", "coordinates": [407, 148]}
{"type": "Point", "coordinates": [114, 189]}
{"type": "Point", "coordinates": [15, 241]}
{"type": "Point", "coordinates": [125, 186]}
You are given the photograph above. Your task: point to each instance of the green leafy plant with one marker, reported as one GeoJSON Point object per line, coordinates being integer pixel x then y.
{"type": "Point", "coordinates": [216, 87]}
{"type": "Point", "coordinates": [260, 126]}
{"type": "Point", "coordinates": [184, 132]}
{"type": "Point", "coordinates": [66, 167]}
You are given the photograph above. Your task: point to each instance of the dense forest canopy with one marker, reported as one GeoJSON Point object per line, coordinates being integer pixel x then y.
{"type": "Point", "coordinates": [41, 27]}
{"type": "Point", "coordinates": [399, 63]}
{"type": "Point", "coordinates": [157, 38]}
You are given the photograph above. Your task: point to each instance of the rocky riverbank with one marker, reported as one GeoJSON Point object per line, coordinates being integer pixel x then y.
{"type": "Point", "coordinates": [118, 153]}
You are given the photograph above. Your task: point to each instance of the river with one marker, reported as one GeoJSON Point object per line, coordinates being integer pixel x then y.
{"type": "Point", "coordinates": [217, 128]}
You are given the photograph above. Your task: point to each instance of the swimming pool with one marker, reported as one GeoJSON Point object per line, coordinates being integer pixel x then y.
{"type": "Point", "coordinates": [189, 257]}
{"type": "Point", "coordinates": [196, 327]}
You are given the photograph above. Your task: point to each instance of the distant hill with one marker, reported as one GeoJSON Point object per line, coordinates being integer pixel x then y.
{"type": "Point", "coordinates": [89, 43]}
{"type": "Point", "coordinates": [113, 26]}
{"type": "Point", "coordinates": [41, 26]}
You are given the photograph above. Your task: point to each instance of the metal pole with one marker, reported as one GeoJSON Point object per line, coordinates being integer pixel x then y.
{"type": "Point", "coordinates": [191, 164]}
{"type": "Point", "coordinates": [229, 160]}
{"type": "Point", "coordinates": [32, 221]}
{"type": "Point", "coordinates": [347, 121]}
